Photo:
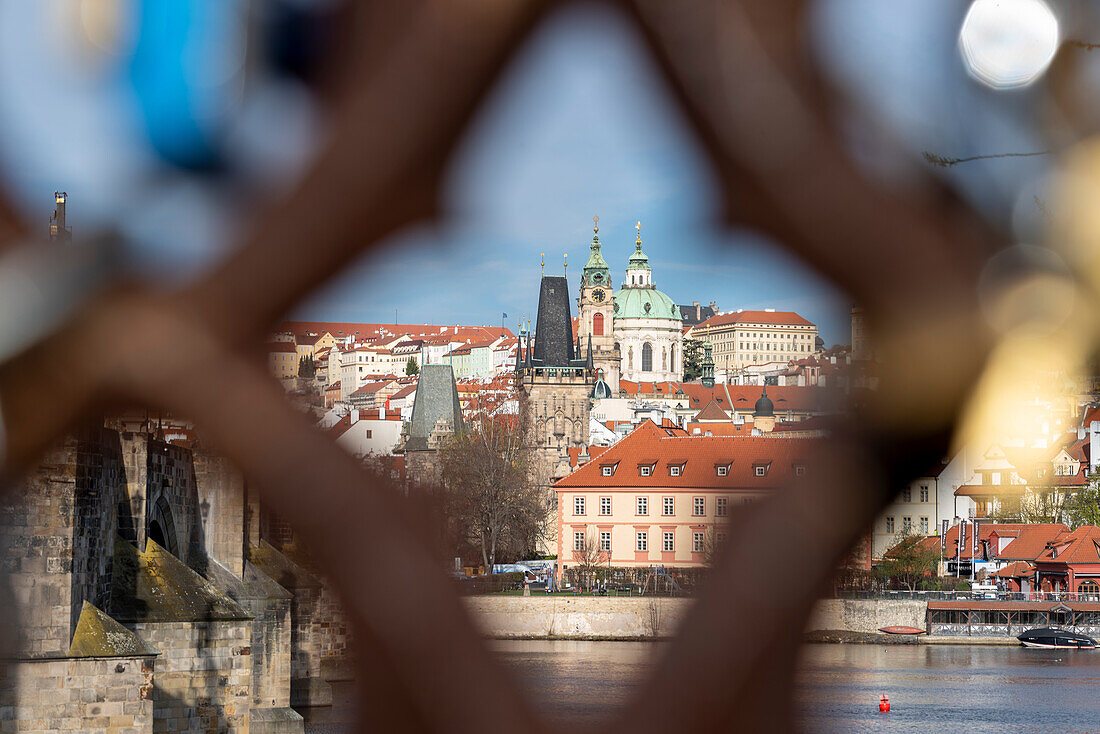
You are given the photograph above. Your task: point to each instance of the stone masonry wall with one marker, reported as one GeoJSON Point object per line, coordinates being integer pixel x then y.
{"type": "Point", "coordinates": [94, 695]}
{"type": "Point", "coordinates": [203, 675]}
{"type": "Point", "coordinates": [55, 539]}
{"type": "Point", "coordinates": [867, 615]}
{"type": "Point", "coordinates": [588, 617]}
{"type": "Point", "coordinates": [270, 652]}
{"type": "Point", "coordinates": [171, 475]}
{"type": "Point", "coordinates": [580, 617]}
{"type": "Point", "coordinates": [99, 485]}
{"type": "Point", "coordinates": [221, 498]}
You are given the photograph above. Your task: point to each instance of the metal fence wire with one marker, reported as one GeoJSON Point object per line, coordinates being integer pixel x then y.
{"type": "Point", "coordinates": [414, 75]}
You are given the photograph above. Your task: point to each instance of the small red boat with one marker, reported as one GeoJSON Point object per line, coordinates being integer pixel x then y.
{"type": "Point", "coordinates": [901, 630]}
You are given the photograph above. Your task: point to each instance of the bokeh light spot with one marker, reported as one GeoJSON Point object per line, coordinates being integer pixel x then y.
{"type": "Point", "coordinates": [1008, 43]}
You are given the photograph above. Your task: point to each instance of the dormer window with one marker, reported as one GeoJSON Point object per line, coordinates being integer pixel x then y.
{"type": "Point", "coordinates": [607, 470]}
{"type": "Point", "coordinates": [722, 470]}
{"type": "Point", "coordinates": [675, 470]}
{"type": "Point", "coordinates": [645, 471]}
{"type": "Point", "coordinates": [799, 470]}
{"type": "Point", "coordinates": [760, 470]}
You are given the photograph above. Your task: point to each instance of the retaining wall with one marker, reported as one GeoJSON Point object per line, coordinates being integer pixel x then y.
{"type": "Point", "coordinates": [626, 618]}
{"type": "Point", "coordinates": [867, 615]}
{"type": "Point", "coordinates": [580, 617]}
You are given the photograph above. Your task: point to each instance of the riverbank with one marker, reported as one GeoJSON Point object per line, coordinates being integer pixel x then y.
{"type": "Point", "coordinates": [623, 619]}
{"type": "Point", "coordinates": [846, 637]}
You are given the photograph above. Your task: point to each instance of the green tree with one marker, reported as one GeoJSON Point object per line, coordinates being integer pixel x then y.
{"type": "Point", "coordinates": [693, 359]}
{"type": "Point", "coordinates": [1083, 508]}
{"type": "Point", "coordinates": [411, 367]}
{"type": "Point", "coordinates": [307, 368]}
{"type": "Point", "coordinates": [911, 560]}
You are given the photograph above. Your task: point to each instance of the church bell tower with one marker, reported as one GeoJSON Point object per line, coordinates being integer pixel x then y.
{"type": "Point", "coordinates": [596, 312]}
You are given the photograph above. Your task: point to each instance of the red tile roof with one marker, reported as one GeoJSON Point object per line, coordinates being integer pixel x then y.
{"type": "Point", "coordinates": [649, 444]}
{"type": "Point", "coordinates": [729, 428]}
{"type": "Point", "coordinates": [593, 452]}
{"type": "Point", "coordinates": [371, 388]}
{"type": "Point", "coordinates": [1015, 570]}
{"type": "Point", "coordinates": [786, 318]}
{"type": "Point", "coordinates": [712, 413]}
{"type": "Point", "coordinates": [1080, 546]}
{"type": "Point", "coordinates": [1030, 541]}
{"type": "Point", "coordinates": [364, 331]}
{"type": "Point", "coordinates": [281, 347]}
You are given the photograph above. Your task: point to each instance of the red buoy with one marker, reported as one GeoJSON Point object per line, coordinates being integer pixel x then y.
{"type": "Point", "coordinates": [884, 702]}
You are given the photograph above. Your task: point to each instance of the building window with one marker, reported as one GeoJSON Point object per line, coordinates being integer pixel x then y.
{"type": "Point", "coordinates": [889, 524]}
{"type": "Point", "coordinates": [906, 495]}
{"type": "Point", "coordinates": [605, 541]}
{"type": "Point", "coordinates": [643, 505]}
{"type": "Point", "coordinates": [699, 506]}
{"type": "Point", "coordinates": [799, 470]}
{"type": "Point", "coordinates": [924, 526]}
{"type": "Point", "coordinates": [721, 505]}
{"type": "Point", "coordinates": [578, 540]}
{"type": "Point", "coordinates": [669, 543]}
{"type": "Point", "coordinates": [924, 493]}
{"type": "Point", "coordinates": [761, 471]}
{"type": "Point", "coordinates": [578, 505]}
{"type": "Point", "coordinates": [597, 324]}
{"type": "Point", "coordinates": [644, 470]}
{"type": "Point", "coordinates": [643, 541]}
{"type": "Point", "coordinates": [906, 524]}
{"type": "Point", "coordinates": [697, 542]}
{"type": "Point", "coordinates": [370, 434]}
{"type": "Point", "coordinates": [607, 470]}
{"type": "Point", "coordinates": [668, 506]}
{"type": "Point", "coordinates": [647, 357]}
{"type": "Point", "coordinates": [674, 471]}
{"type": "Point", "coordinates": [723, 470]}
{"type": "Point", "coordinates": [605, 505]}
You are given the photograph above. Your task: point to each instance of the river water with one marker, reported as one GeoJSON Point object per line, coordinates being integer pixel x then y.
{"type": "Point", "coordinates": [972, 689]}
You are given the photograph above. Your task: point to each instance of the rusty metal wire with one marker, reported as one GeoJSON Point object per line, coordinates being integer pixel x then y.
{"type": "Point", "coordinates": [763, 113]}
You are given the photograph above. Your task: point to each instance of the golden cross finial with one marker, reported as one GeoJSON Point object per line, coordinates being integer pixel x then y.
{"type": "Point", "coordinates": [596, 224]}
{"type": "Point", "coordinates": [638, 228]}
{"type": "Point", "coordinates": [566, 256]}
{"type": "Point", "coordinates": [542, 262]}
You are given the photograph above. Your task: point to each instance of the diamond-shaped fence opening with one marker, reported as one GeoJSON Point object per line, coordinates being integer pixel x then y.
{"type": "Point", "coordinates": [411, 76]}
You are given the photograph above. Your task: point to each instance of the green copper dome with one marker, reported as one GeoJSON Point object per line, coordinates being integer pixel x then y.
{"type": "Point", "coordinates": [644, 303]}
{"type": "Point", "coordinates": [639, 260]}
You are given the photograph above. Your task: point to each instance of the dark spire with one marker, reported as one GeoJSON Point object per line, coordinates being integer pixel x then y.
{"type": "Point", "coordinates": [554, 325]}
{"type": "Point", "coordinates": [764, 406]}
{"type": "Point", "coordinates": [589, 364]}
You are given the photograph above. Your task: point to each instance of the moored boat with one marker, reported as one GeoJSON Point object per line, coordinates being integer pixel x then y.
{"type": "Point", "coordinates": [1055, 638]}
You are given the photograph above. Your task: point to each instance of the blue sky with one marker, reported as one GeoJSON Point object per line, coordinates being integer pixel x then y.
{"type": "Point", "coordinates": [581, 125]}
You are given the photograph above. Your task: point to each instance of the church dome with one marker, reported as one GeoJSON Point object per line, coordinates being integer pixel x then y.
{"type": "Point", "coordinates": [601, 389]}
{"type": "Point", "coordinates": [764, 407]}
{"type": "Point", "coordinates": [644, 303]}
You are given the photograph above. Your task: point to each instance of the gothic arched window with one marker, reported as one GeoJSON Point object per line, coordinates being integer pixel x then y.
{"type": "Point", "coordinates": [647, 357]}
{"type": "Point", "coordinates": [597, 324]}
{"type": "Point", "coordinates": [672, 360]}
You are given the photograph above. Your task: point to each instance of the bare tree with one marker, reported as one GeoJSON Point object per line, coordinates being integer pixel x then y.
{"type": "Point", "coordinates": [589, 560]}
{"type": "Point", "coordinates": [488, 488]}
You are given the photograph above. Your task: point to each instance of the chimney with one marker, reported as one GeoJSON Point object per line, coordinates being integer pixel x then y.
{"type": "Point", "coordinates": [382, 413]}
{"type": "Point", "coordinates": [698, 311]}
{"type": "Point", "coordinates": [354, 415]}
